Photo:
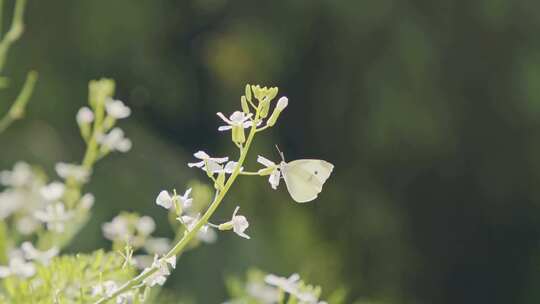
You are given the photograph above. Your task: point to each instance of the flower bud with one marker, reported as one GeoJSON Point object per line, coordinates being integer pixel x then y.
{"type": "Point", "coordinates": [281, 105]}
{"type": "Point", "coordinates": [264, 108]}
{"type": "Point", "coordinates": [244, 103]}
{"type": "Point", "coordinates": [248, 92]}
{"type": "Point", "coordinates": [84, 117]}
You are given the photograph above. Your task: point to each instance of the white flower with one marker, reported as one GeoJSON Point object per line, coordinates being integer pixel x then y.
{"type": "Point", "coordinates": [145, 225]}
{"type": "Point", "coordinates": [117, 229]}
{"type": "Point", "coordinates": [289, 285]}
{"type": "Point", "coordinates": [106, 288]}
{"type": "Point", "coordinates": [87, 201]}
{"type": "Point", "coordinates": [115, 140]}
{"type": "Point", "coordinates": [185, 200]}
{"type": "Point", "coordinates": [78, 173]}
{"type": "Point", "coordinates": [84, 116]}
{"type": "Point", "coordinates": [213, 163]}
{"type": "Point", "coordinates": [240, 223]}
{"type": "Point", "coordinates": [26, 225]}
{"type": "Point", "coordinates": [157, 245]}
{"type": "Point", "coordinates": [44, 257]}
{"type": "Point", "coordinates": [265, 294]}
{"type": "Point", "coordinates": [17, 266]}
{"type": "Point", "coordinates": [160, 275]}
{"type": "Point", "coordinates": [230, 166]}
{"type": "Point", "coordinates": [207, 234]}
{"type": "Point", "coordinates": [20, 175]}
{"type": "Point", "coordinates": [237, 119]}
{"type": "Point", "coordinates": [164, 199]}
{"type": "Point", "coordinates": [54, 216]}
{"type": "Point", "coordinates": [10, 202]}
{"type": "Point", "coordinates": [53, 191]}
{"type": "Point", "coordinates": [117, 109]}
{"type": "Point", "coordinates": [190, 221]}
{"type": "Point", "coordinates": [125, 298]}
{"type": "Point", "coordinates": [275, 175]}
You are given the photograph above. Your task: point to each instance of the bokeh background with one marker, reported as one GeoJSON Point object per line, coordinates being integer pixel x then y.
{"type": "Point", "coordinates": [430, 111]}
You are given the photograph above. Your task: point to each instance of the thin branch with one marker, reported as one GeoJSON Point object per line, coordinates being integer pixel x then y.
{"type": "Point", "coordinates": [17, 109]}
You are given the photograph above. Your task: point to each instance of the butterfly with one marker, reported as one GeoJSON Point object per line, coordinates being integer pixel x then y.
{"type": "Point", "coordinates": [305, 177]}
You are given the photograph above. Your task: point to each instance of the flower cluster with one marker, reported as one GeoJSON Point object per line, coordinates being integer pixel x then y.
{"type": "Point", "coordinates": [51, 211]}
{"type": "Point", "coordinates": [272, 289]}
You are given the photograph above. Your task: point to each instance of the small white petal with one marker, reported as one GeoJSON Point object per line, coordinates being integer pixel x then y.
{"type": "Point", "coordinates": [264, 161]}
{"type": "Point", "coordinates": [164, 200]}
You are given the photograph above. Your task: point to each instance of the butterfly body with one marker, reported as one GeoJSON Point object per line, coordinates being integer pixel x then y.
{"type": "Point", "coordinates": [305, 177]}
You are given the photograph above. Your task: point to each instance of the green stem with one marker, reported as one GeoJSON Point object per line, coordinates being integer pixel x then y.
{"type": "Point", "coordinates": [16, 111]}
{"type": "Point", "coordinates": [14, 33]}
{"type": "Point", "coordinates": [179, 247]}
{"type": "Point", "coordinates": [248, 173]}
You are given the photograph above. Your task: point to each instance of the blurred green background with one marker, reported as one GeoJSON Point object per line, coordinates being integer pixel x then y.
{"type": "Point", "coordinates": [430, 111]}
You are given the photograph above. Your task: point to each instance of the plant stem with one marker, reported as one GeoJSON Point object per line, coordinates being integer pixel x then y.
{"type": "Point", "coordinates": [16, 111]}
{"type": "Point", "coordinates": [179, 247]}
{"type": "Point", "coordinates": [14, 33]}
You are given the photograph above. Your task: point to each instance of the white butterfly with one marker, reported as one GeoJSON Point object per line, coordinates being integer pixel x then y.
{"type": "Point", "coordinates": [305, 177]}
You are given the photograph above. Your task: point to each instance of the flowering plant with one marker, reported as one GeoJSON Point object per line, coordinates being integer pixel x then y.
{"type": "Point", "coordinates": [40, 215]}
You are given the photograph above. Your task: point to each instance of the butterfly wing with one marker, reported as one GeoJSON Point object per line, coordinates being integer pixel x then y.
{"type": "Point", "coordinates": [305, 178]}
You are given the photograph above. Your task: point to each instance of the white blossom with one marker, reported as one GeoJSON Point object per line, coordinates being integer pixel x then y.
{"type": "Point", "coordinates": [157, 245]}
{"type": "Point", "coordinates": [117, 109]}
{"type": "Point", "coordinates": [263, 293]}
{"type": "Point", "coordinates": [207, 234]}
{"type": "Point", "coordinates": [125, 298]}
{"type": "Point", "coordinates": [275, 175]}
{"type": "Point", "coordinates": [230, 166]}
{"type": "Point", "coordinates": [185, 200]}
{"type": "Point", "coordinates": [84, 116]}
{"type": "Point", "coordinates": [213, 163]}
{"type": "Point", "coordinates": [53, 191]}
{"type": "Point", "coordinates": [20, 175]}
{"type": "Point", "coordinates": [117, 229]}
{"type": "Point", "coordinates": [115, 140]}
{"type": "Point", "coordinates": [237, 119]}
{"type": "Point", "coordinates": [190, 221]}
{"type": "Point", "coordinates": [240, 223]}
{"type": "Point", "coordinates": [17, 266]}
{"type": "Point", "coordinates": [289, 285]}
{"type": "Point", "coordinates": [164, 199]}
{"type": "Point", "coordinates": [106, 288]}
{"type": "Point", "coordinates": [66, 171]}
{"type": "Point", "coordinates": [27, 225]}
{"type": "Point", "coordinates": [87, 201]}
{"type": "Point", "coordinates": [44, 257]}
{"type": "Point", "coordinates": [54, 215]}
{"type": "Point", "coordinates": [160, 275]}
{"type": "Point", "coordinates": [10, 202]}
{"type": "Point", "coordinates": [145, 225]}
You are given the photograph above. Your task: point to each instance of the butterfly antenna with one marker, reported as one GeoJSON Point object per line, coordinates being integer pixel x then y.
{"type": "Point", "coordinates": [280, 153]}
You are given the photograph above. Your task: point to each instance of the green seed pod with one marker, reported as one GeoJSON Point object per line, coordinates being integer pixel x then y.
{"type": "Point", "coordinates": [238, 135]}
{"type": "Point", "coordinates": [226, 226]}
